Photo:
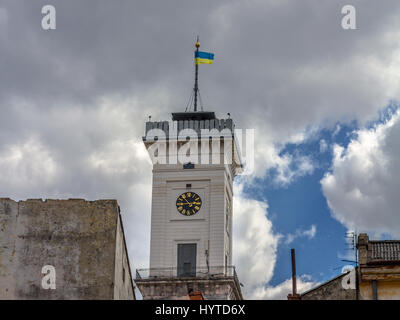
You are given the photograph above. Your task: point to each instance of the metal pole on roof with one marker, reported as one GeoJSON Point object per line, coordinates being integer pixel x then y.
{"type": "Point", "coordinates": [294, 281]}
{"type": "Point", "coordinates": [196, 84]}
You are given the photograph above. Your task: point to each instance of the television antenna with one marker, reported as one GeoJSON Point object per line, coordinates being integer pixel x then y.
{"type": "Point", "coordinates": [351, 243]}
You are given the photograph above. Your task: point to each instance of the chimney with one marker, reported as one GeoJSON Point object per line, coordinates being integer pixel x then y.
{"type": "Point", "coordinates": [294, 295]}
{"type": "Point", "coordinates": [362, 247]}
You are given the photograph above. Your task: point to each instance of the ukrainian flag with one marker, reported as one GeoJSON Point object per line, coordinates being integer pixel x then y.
{"type": "Point", "coordinates": [203, 57]}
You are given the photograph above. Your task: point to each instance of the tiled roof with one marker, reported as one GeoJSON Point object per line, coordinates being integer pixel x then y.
{"type": "Point", "coordinates": [388, 250]}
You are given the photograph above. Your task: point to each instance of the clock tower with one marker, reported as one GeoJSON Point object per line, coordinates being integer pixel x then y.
{"type": "Point", "coordinates": [195, 159]}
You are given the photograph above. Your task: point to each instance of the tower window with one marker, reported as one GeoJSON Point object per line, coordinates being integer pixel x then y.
{"type": "Point", "coordinates": [188, 185]}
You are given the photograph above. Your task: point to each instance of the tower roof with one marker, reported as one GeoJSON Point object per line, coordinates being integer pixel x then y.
{"type": "Point", "coordinates": [198, 115]}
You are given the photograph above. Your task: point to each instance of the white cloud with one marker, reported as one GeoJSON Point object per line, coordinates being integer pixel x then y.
{"type": "Point", "coordinates": [254, 243]}
{"type": "Point", "coordinates": [255, 248]}
{"type": "Point", "coordinates": [290, 167]}
{"type": "Point", "coordinates": [24, 165]}
{"type": "Point", "coordinates": [362, 189]}
{"type": "Point", "coordinates": [85, 153]}
{"type": "Point", "coordinates": [280, 291]}
{"type": "Point", "coordinates": [282, 167]}
{"type": "Point", "coordinates": [310, 233]}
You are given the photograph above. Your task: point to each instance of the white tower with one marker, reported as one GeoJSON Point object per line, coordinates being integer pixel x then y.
{"type": "Point", "coordinates": [195, 159]}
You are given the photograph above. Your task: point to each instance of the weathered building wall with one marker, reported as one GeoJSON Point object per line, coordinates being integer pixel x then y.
{"type": "Point", "coordinates": [75, 236]}
{"type": "Point", "coordinates": [378, 274]}
{"type": "Point", "coordinates": [379, 262]}
{"type": "Point", "coordinates": [123, 289]}
{"type": "Point", "coordinates": [331, 290]}
{"type": "Point", "coordinates": [386, 278]}
{"type": "Point", "coordinates": [8, 226]}
{"type": "Point", "coordinates": [386, 290]}
{"type": "Point", "coordinates": [178, 289]}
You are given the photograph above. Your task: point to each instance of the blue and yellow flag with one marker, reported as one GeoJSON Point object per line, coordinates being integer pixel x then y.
{"type": "Point", "coordinates": [203, 57]}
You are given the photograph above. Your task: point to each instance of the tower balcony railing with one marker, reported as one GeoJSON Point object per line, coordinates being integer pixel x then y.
{"type": "Point", "coordinates": [217, 272]}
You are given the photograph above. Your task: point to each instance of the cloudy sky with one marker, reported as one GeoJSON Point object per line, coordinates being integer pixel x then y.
{"type": "Point", "coordinates": [323, 102]}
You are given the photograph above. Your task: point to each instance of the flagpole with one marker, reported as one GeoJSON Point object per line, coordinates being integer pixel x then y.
{"type": "Point", "coordinates": [196, 85]}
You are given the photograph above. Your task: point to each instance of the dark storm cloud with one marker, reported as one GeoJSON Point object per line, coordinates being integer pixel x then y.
{"type": "Point", "coordinates": [130, 47]}
{"type": "Point", "coordinates": [99, 47]}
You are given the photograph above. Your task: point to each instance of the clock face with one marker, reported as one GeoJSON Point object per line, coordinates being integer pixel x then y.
{"type": "Point", "coordinates": [188, 203]}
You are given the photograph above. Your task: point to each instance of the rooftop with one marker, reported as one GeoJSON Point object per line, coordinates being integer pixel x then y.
{"type": "Point", "coordinates": [198, 115]}
{"type": "Point", "coordinates": [384, 251]}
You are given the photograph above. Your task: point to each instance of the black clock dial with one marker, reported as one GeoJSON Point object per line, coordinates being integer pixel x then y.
{"type": "Point", "coordinates": [188, 203]}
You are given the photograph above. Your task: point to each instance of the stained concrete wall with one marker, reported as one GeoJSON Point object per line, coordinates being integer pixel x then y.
{"type": "Point", "coordinates": [8, 231]}
{"type": "Point", "coordinates": [178, 289]}
{"type": "Point", "coordinates": [386, 290]}
{"type": "Point", "coordinates": [123, 288]}
{"type": "Point", "coordinates": [77, 237]}
{"type": "Point", "coordinates": [331, 290]}
{"type": "Point", "coordinates": [387, 278]}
